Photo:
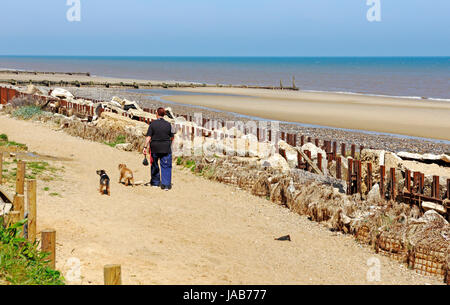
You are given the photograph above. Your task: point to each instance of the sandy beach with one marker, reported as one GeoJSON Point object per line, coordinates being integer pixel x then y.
{"type": "Point", "coordinates": [419, 118]}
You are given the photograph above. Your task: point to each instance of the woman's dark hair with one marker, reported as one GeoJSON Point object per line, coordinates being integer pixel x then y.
{"type": "Point", "coordinates": [161, 111]}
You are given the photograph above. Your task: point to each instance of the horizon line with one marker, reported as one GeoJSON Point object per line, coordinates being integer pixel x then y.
{"type": "Point", "coordinates": [228, 56]}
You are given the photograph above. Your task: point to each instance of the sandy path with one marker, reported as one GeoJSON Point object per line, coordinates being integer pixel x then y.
{"type": "Point", "coordinates": [201, 232]}
{"type": "Point", "coordinates": [420, 118]}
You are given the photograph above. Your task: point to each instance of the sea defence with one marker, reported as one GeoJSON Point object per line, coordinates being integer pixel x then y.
{"type": "Point", "coordinates": [353, 191]}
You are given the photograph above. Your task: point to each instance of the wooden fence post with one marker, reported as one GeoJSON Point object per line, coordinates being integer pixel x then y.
{"type": "Point", "coordinates": [343, 151]}
{"type": "Point", "coordinates": [435, 192]}
{"type": "Point", "coordinates": [382, 174]}
{"type": "Point", "coordinates": [408, 180]}
{"type": "Point", "coordinates": [48, 240]}
{"type": "Point", "coordinates": [19, 205]}
{"type": "Point", "coordinates": [358, 176]}
{"type": "Point", "coordinates": [319, 161]}
{"type": "Point", "coordinates": [299, 160]}
{"type": "Point", "coordinates": [31, 200]}
{"type": "Point", "coordinates": [369, 177]}
{"type": "Point", "coordinates": [308, 154]}
{"type": "Point", "coordinates": [1, 167]}
{"type": "Point", "coordinates": [350, 177]}
{"type": "Point", "coordinates": [338, 168]}
{"type": "Point", "coordinates": [12, 218]}
{"type": "Point", "coordinates": [353, 151]}
{"type": "Point", "coordinates": [20, 177]}
{"type": "Point", "coordinates": [422, 182]}
{"type": "Point", "coordinates": [334, 150]}
{"type": "Point", "coordinates": [393, 190]}
{"type": "Point", "coordinates": [112, 275]}
{"type": "Point", "coordinates": [448, 188]}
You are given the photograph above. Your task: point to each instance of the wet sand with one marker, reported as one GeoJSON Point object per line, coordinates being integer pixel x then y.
{"type": "Point", "coordinates": [418, 118]}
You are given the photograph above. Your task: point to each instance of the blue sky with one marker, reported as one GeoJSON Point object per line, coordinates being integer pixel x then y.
{"type": "Point", "coordinates": [226, 28]}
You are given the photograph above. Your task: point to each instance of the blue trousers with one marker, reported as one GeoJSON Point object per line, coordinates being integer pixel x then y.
{"type": "Point", "coordinates": [163, 176]}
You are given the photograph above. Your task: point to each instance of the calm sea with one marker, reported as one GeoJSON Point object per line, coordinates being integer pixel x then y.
{"type": "Point", "coordinates": [397, 76]}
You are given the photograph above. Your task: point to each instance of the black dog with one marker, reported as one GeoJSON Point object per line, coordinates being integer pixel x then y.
{"type": "Point", "coordinates": [104, 182]}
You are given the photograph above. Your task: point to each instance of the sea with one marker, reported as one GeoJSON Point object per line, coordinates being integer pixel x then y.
{"type": "Point", "coordinates": [413, 77]}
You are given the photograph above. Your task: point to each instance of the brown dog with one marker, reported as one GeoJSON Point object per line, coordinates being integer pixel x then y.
{"type": "Point", "coordinates": [104, 182]}
{"type": "Point", "coordinates": [127, 174]}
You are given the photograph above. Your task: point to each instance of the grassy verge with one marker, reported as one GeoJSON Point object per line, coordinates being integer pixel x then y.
{"type": "Point", "coordinates": [120, 139]}
{"type": "Point", "coordinates": [34, 170]}
{"type": "Point", "coordinates": [21, 263]}
{"type": "Point", "coordinates": [4, 141]}
{"type": "Point", "coordinates": [27, 112]}
{"type": "Point", "coordinates": [197, 168]}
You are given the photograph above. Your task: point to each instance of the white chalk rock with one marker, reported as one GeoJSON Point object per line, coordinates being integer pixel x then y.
{"type": "Point", "coordinates": [32, 89]}
{"type": "Point", "coordinates": [124, 147]}
{"type": "Point", "coordinates": [117, 101]}
{"type": "Point", "coordinates": [62, 94]}
{"type": "Point", "coordinates": [314, 151]}
{"type": "Point", "coordinates": [276, 161]}
{"type": "Point", "coordinates": [374, 194]}
{"type": "Point", "coordinates": [425, 157]}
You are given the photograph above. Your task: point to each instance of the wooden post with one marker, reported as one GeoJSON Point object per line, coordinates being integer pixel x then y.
{"type": "Point", "coordinates": [294, 140]}
{"type": "Point", "coordinates": [358, 176]}
{"type": "Point", "coordinates": [353, 149]}
{"type": "Point", "coordinates": [31, 200]}
{"type": "Point", "coordinates": [112, 275]}
{"type": "Point", "coordinates": [369, 177]}
{"type": "Point", "coordinates": [309, 140]}
{"type": "Point", "coordinates": [308, 154]}
{"type": "Point", "coordinates": [302, 140]}
{"type": "Point", "coordinates": [299, 160]}
{"type": "Point", "coordinates": [422, 182]}
{"type": "Point", "coordinates": [283, 153]}
{"type": "Point", "coordinates": [393, 190]}
{"type": "Point", "coordinates": [12, 218]}
{"type": "Point", "coordinates": [1, 167]}
{"type": "Point", "coordinates": [20, 177]}
{"type": "Point", "coordinates": [349, 177]}
{"type": "Point", "coordinates": [334, 150]}
{"type": "Point", "coordinates": [338, 168]}
{"type": "Point", "coordinates": [319, 161]}
{"type": "Point", "coordinates": [19, 205]}
{"type": "Point", "coordinates": [343, 151]}
{"type": "Point", "coordinates": [408, 180]}
{"type": "Point", "coordinates": [316, 142]}
{"type": "Point", "coordinates": [416, 182]}
{"type": "Point", "coordinates": [448, 188]}
{"type": "Point", "coordinates": [48, 244]}
{"type": "Point", "coordinates": [382, 174]}
{"type": "Point", "coordinates": [435, 187]}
